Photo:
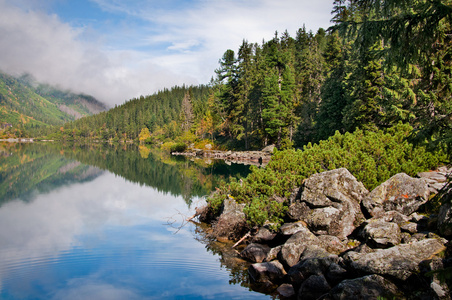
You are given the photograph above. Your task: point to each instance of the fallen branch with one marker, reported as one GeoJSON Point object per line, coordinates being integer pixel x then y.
{"type": "Point", "coordinates": [242, 239]}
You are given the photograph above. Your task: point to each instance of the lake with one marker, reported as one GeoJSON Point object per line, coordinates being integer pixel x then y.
{"type": "Point", "coordinates": [108, 222]}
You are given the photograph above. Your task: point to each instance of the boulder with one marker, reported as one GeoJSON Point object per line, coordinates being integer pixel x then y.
{"type": "Point", "coordinates": [292, 228]}
{"type": "Point", "coordinates": [263, 235]}
{"type": "Point", "coordinates": [255, 252]}
{"type": "Point", "coordinates": [381, 234]}
{"type": "Point", "coordinates": [295, 245]}
{"type": "Point", "coordinates": [332, 244]}
{"type": "Point", "coordinates": [400, 261]}
{"type": "Point", "coordinates": [367, 287]}
{"type": "Point", "coordinates": [445, 219]}
{"type": "Point", "coordinates": [286, 290]}
{"type": "Point", "coordinates": [314, 261]}
{"type": "Point", "coordinates": [269, 149]}
{"type": "Point", "coordinates": [335, 274]}
{"type": "Point", "coordinates": [401, 193]}
{"type": "Point", "coordinates": [232, 223]}
{"type": "Point", "coordinates": [267, 271]}
{"type": "Point", "coordinates": [273, 253]}
{"type": "Point", "coordinates": [330, 203]}
{"type": "Point", "coordinates": [313, 287]}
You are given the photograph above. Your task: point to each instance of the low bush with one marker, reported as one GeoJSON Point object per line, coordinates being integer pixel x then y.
{"type": "Point", "coordinates": [372, 157]}
{"type": "Point", "coordinates": [178, 147]}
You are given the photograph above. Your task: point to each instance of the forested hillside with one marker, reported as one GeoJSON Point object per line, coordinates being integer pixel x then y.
{"type": "Point", "coordinates": [383, 62]}
{"type": "Point", "coordinates": [27, 104]}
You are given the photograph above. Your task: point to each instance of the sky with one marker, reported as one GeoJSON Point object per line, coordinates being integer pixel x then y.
{"type": "Point", "coordinates": [116, 50]}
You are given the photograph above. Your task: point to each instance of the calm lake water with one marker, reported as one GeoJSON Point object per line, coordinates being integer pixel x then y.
{"type": "Point", "coordinates": [106, 222]}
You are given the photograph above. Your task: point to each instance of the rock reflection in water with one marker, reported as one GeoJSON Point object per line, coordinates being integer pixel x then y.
{"type": "Point", "coordinates": [230, 259]}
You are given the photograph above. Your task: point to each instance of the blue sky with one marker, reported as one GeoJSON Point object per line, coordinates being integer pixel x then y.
{"type": "Point", "coordinates": [117, 50]}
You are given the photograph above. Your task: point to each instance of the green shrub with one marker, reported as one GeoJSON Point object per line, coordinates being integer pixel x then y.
{"type": "Point", "coordinates": [178, 147]}
{"type": "Point", "coordinates": [372, 157]}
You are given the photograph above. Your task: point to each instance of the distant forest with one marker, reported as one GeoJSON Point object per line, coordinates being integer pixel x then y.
{"type": "Point", "coordinates": [382, 63]}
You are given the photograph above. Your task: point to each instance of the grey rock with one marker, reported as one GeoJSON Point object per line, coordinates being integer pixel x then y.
{"type": "Point", "coordinates": [433, 176]}
{"type": "Point", "coordinates": [367, 287]}
{"type": "Point", "coordinates": [331, 203]}
{"type": "Point", "coordinates": [332, 244]}
{"type": "Point", "coordinates": [409, 227]}
{"type": "Point", "coordinates": [269, 149]}
{"type": "Point", "coordinates": [445, 220]}
{"type": "Point", "coordinates": [400, 261]}
{"type": "Point", "coordinates": [231, 223]}
{"type": "Point", "coordinates": [295, 245]}
{"type": "Point", "coordinates": [264, 235]}
{"type": "Point", "coordinates": [267, 271]}
{"type": "Point", "coordinates": [286, 290]}
{"type": "Point", "coordinates": [273, 253]}
{"type": "Point", "coordinates": [292, 228]}
{"type": "Point", "coordinates": [255, 252]}
{"type": "Point", "coordinates": [394, 217]}
{"type": "Point", "coordinates": [382, 234]}
{"type": "Point", "coordinates": [335, 274]}
{"type": "Point", "coordinates": [313, 287]}
{"type": "Point", "coordinates": [401, 193]}
{"type": "Point", "coordinates": [314, 261]}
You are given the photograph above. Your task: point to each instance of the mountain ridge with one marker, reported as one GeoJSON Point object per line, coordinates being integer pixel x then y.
{"type": "Point", "coordinates": [28, 103]}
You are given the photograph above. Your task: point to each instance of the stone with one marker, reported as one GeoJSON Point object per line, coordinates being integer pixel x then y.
{"type": "Point", "coordinates": [232, 222]}
{"type": "Point", "coordinates": [314, 261]}
{"type": "Point", "coordinates": [335, 274]}
{"type": "Point", "coordinates": [264, 235]}
{"type": "Point", "coordinates": [381, 234]}
{"type": "Point", "coordinates": [286, 290]}
{"type": "Point", "coordinates": [445, 220]}
{"type": "Point", "coordinates": [267, 271]}
{"type": "Point", "coordinates": [400, 261]}
{"type": "Point", "coordinates": [409, 227]}
{"type": "Point", "coordinates": [295, 245]}
{"type": "Point", "coordinates": [330, 203]}
{"type": "Point", "coordinates": [367, 287]}
{"type": "Point", "coordinates": [313, 287]}
{"type": "Point", "coordinates": [255, 252]}
{"type": "Point", "coordinates": [269, 149]}
{"type": "Point", "coordinates": [394, 217]}
{"type": "Point", "coordinates": [273, 253]}
{"type": "Point", "coordinates": [332, 244]}
{"type": "Point", "coordinates": [292, 228]}
{"type": "Point", "coordinates": [401, 193]}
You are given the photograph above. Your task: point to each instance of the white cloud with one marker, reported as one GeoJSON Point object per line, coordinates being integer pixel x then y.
{"type": "Point", "coordinates": [152, 47]}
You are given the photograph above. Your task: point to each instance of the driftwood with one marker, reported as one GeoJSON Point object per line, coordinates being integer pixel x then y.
{"type": "Point", "coordinates": [242, 239]}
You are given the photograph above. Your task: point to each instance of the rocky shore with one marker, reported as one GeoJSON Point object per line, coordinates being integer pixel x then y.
{"type": "Point", "coordinates": [257, 158]}
{"type": "Point", "coordinates": [341, 241]}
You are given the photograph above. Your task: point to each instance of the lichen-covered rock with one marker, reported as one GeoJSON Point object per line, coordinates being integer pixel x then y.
{"type": "Point", "coordinates": [401, 193]}
{"type": "Point", "coordinates": [292, 228]}
{"type": "Point", "coordinates": [313, 287]}
{"type": "Point", "coordinates": [445, 220]}
{"type": "Point", "coordinates": [332, 244]}
{"type": "Point", "coordinates": [255, 252]}
{"type": "Point", "coordinates": [330, 203]}
{"type": "Point", "coordinates": [367, 287]}
{"type": "Point", "coordinates": [232, 222]}
{"type": "Point", "coordinates": [267, 271]}
{"type": "Point", "coordinates": [381, 234]}
{"type": "Point", "coordinates": [314, 261]}
{"type": "Point", "coordinates": [264, 235]}
{"type": "Point", "coordinates": [295, 245]}
{"type": "Point", "coordinates": [400, 261]}
{"type": "Point", "coordinates": [273, 253]}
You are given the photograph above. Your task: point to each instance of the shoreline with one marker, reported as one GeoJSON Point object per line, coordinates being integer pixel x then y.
{"type": "Point", "coordinates": [256, 158]}
{"type": "Point", "coordinates": [339, 238]}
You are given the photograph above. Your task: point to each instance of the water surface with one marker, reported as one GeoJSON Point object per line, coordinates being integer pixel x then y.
{"type": "Point", "coordinates": [108, 223]}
